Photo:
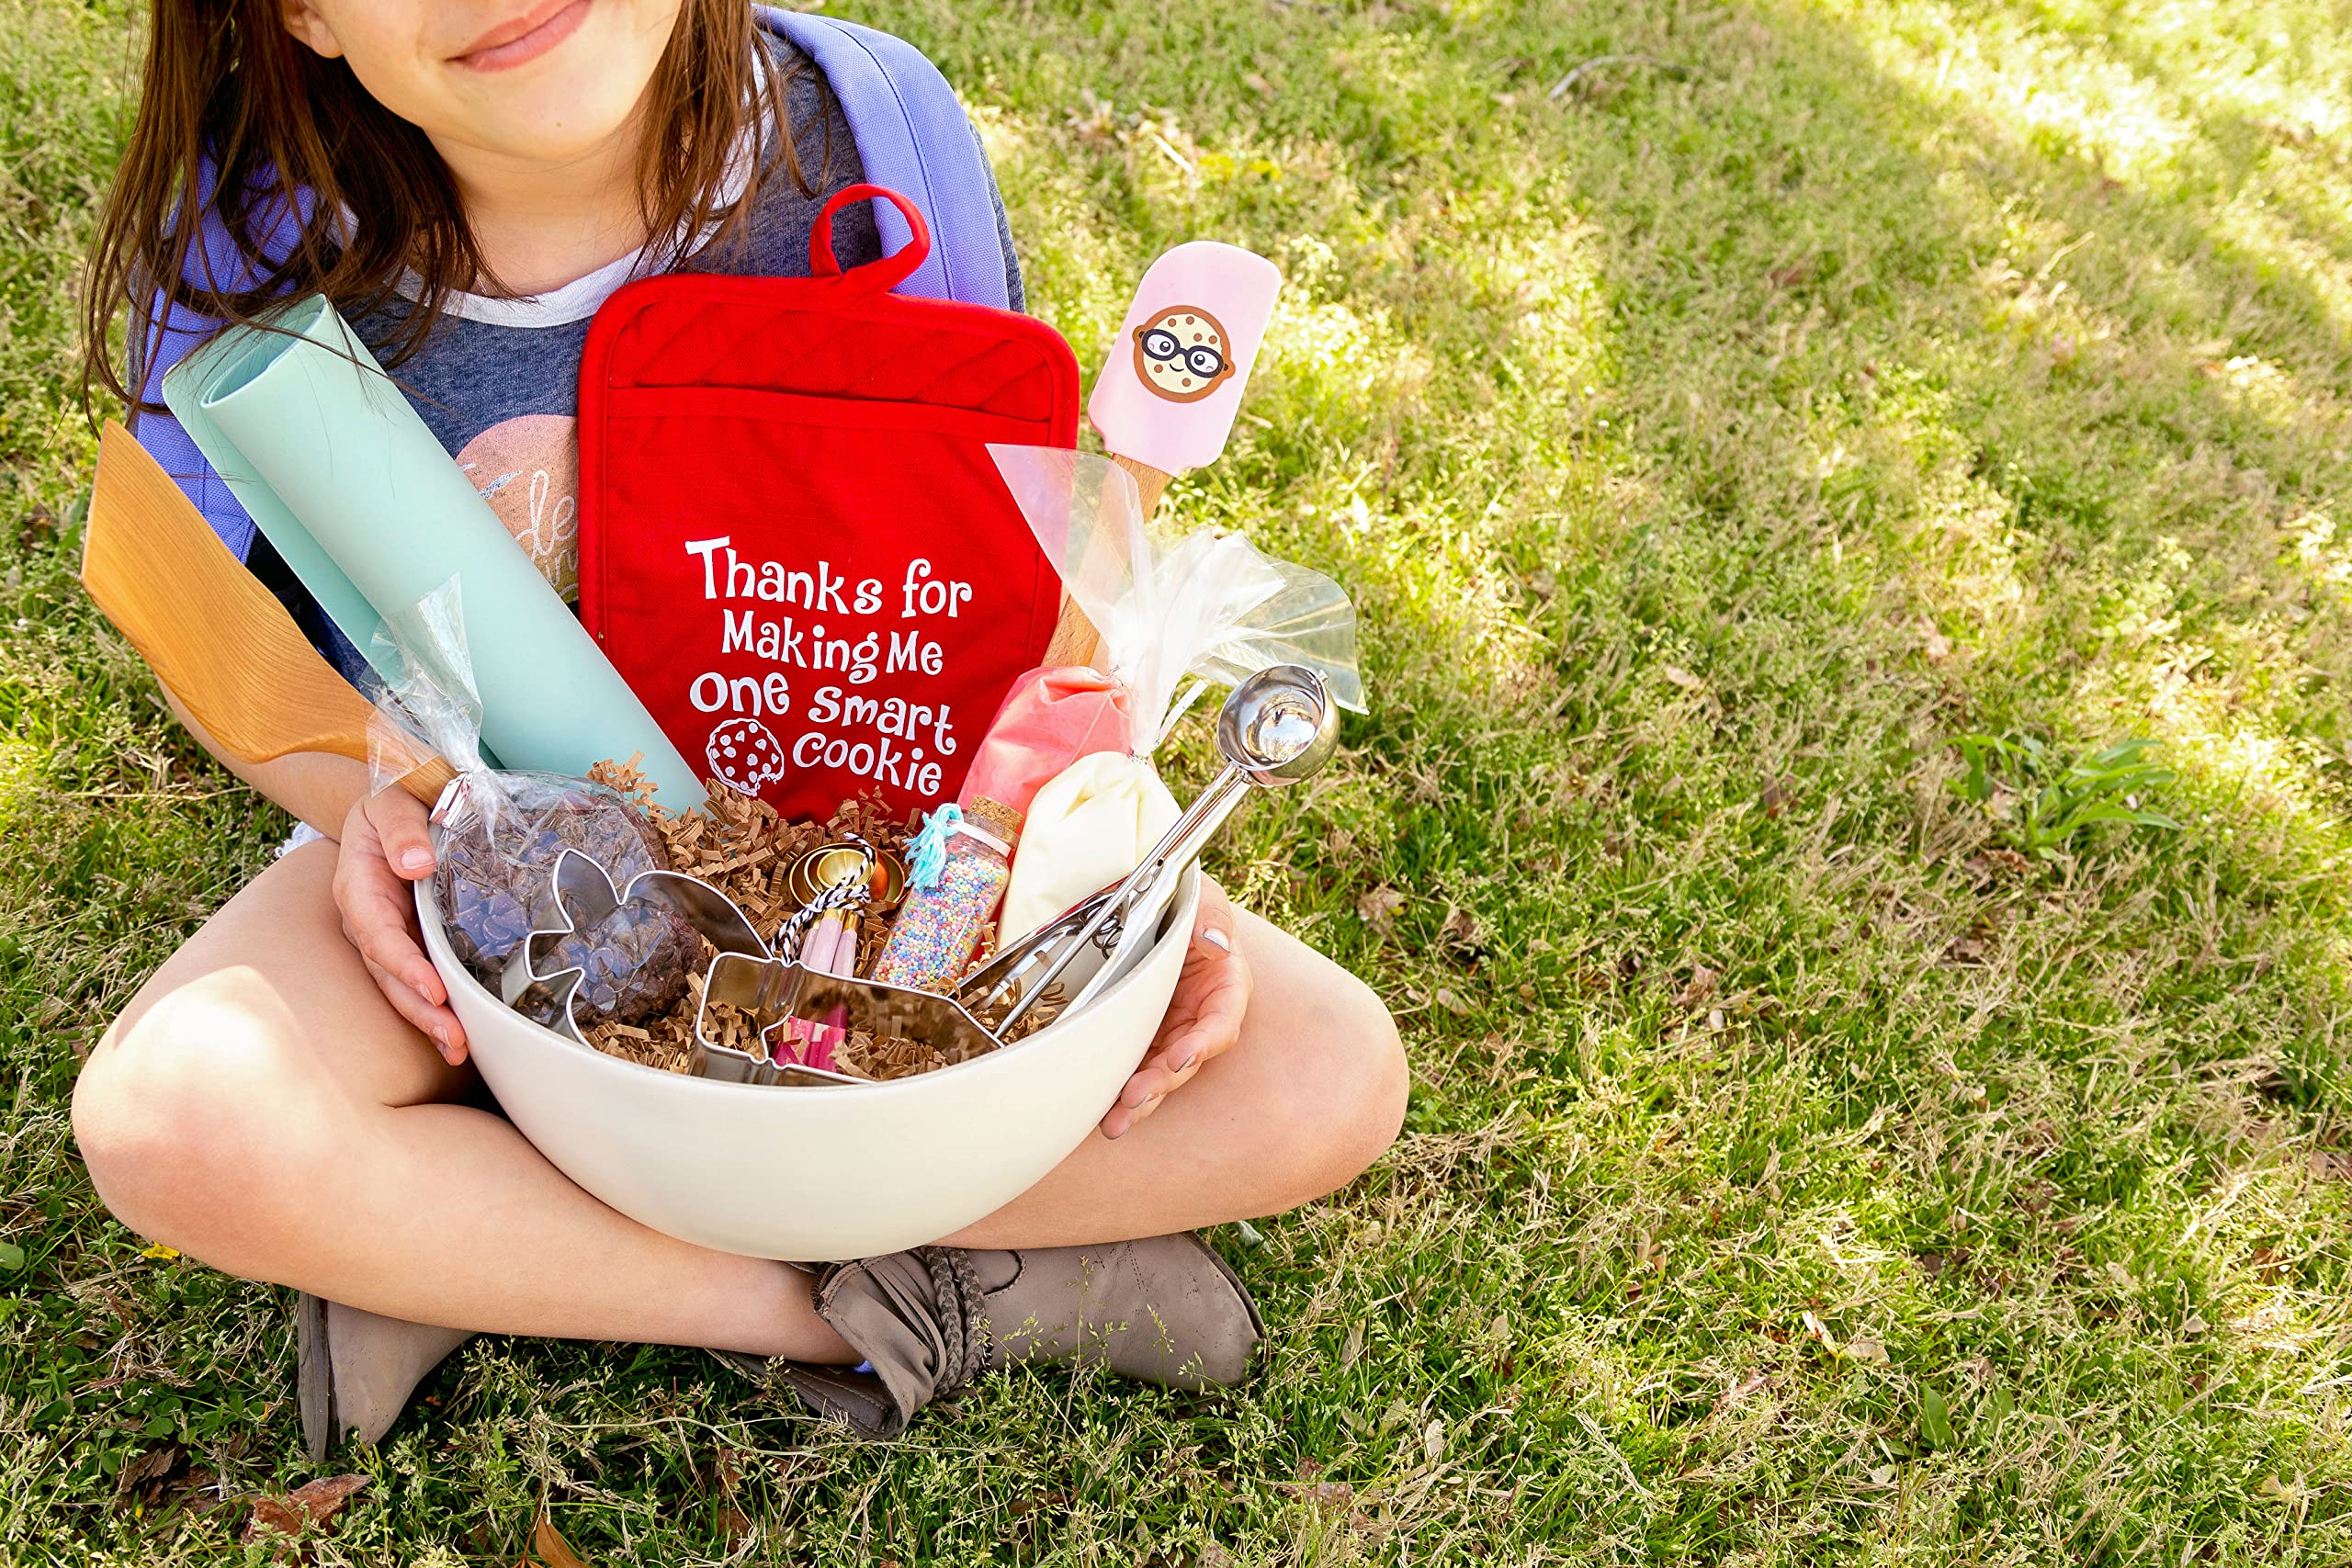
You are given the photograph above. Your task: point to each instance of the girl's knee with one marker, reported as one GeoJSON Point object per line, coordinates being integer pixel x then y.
{"type": "Point", "coordinates": [1352, 1085]}
{"type": "Point", "coordinates": [1380, 1076]}
{"type": "Point", "coordinates": [177, 1122]}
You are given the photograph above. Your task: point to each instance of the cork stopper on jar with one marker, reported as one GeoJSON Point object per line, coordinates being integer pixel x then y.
{"type": "Point", "coordinates": [995, 819]}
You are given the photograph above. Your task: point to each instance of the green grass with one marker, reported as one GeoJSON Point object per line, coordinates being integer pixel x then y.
{"type": "Point", "coordinates": [1795, 1172]}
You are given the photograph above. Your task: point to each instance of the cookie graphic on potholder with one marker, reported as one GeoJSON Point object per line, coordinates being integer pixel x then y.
{"type": "Point", "coordinates": [1182, 353]}
{"type": "Point", "coordinates": [744, 754]}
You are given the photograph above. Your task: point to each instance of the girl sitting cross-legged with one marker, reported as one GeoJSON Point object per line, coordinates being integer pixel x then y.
{"type": "Point", "coordinates": [289, 1098]}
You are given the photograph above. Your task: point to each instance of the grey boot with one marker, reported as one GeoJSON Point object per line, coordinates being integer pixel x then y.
{"type": "Point", "coordinates": [354, 1371]}
{"type": "Point", "coordinates": [1166, 1310]}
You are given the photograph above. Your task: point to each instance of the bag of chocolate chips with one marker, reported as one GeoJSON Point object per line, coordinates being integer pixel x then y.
{"type": "Point", "coordinates": [497, 835]}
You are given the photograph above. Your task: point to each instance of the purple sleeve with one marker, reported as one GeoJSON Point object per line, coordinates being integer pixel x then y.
{"type": "Point", "coordinates": [161, 336]}
{"type": "Point", "coordinates": [165, 439]}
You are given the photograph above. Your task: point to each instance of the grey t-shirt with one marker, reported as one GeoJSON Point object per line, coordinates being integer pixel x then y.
{"type": "Point", "coordinates": [497, 380]}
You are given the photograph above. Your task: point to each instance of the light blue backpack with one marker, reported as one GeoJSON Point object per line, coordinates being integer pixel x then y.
{"type": "Point", "coordinates": [912, 136]}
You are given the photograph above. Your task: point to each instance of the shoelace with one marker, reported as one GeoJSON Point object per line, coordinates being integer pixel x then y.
{"type": "Point", "coordinates": [957, 1289]}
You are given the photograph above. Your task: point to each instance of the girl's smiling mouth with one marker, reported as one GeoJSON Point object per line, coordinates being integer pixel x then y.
{"type": "Point", "coordinates": [525, 39]}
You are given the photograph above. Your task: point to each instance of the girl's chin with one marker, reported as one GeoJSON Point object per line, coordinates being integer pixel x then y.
{"type": "Point", "coordinates": [543, 126]}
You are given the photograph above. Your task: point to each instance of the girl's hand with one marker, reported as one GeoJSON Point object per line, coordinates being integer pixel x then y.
{"type": "Point", "coordinates": [384, 849]}
{"type": "Point", "coordinates": [1204, 1017]}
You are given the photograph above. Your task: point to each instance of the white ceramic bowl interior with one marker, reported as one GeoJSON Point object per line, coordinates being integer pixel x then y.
{"type": "Point", "coordinates": [815, 1173]}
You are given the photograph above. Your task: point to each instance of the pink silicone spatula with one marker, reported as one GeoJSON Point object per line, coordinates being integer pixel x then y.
{"type": "Point", "coordinates": [1173, 380]}
{"type": "Point", "coordinates": [1168, 393]}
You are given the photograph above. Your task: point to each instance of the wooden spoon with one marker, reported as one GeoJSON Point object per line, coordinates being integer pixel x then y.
{"type": "Point", "coordinates": [222, 645]}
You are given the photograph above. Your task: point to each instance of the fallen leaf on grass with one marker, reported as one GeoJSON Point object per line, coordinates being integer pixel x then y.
{"type": "Point", "coordinates": [1683, 678]}
{"type": "Point", "coordinates": [1055, 1503]}
{"type": "Point", "coordinates": [1378, 909]}
{"type": "Point", "coordinates": [145, 1480]}
{"type": "Point", "coordinates": [553, 1550]}
{"type": "Point", "coordinates": [314, 1504]}
{"type": "Point", "coordinates": [1968, 952]}
{"type": "Point", "coordinates": [1990, 865]}
{"type": "Point", "coordinates": [1459, 939]}
{"type": "Point", "coordinates": [1324, 1496]}
{"type": "Point", "coordinates": [1739, 1391]}
{"type": "Point", "coordinates": [1866, 1350]}
{"type": "Point", "coordinates": [1932, 642]}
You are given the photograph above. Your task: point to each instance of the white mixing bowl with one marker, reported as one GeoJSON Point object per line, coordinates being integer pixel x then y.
{"type": "Point", "coordinates": [813, 1173]}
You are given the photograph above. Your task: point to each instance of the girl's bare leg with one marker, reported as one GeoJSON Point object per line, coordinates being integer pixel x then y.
{"type": "Point", "coordinates": [261, 1108]}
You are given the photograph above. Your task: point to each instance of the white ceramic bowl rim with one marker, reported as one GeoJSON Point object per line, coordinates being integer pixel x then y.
{"type": "Point", "coordinates": [444, 959]}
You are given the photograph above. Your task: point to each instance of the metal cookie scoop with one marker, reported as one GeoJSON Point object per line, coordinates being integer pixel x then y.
{"type": "Point", "coordinates": [1278, 727]}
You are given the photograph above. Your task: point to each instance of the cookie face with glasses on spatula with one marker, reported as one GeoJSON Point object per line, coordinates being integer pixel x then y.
{"type": "Point", "coordinates": [1175, 374]}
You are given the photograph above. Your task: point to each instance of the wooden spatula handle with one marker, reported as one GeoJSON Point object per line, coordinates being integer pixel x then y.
{"type": "Point", "coordinates": [1150, 483]}
{"type": "Point", "coordinates": [217, 639]}
{"type": "Point", "coordinates": [1075, 638]}
{"type": "Point", "coordinates": [427, 782]}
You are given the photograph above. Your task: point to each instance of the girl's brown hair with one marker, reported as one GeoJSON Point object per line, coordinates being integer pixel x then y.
{"type": "Point", "coordinates": [224, 79]}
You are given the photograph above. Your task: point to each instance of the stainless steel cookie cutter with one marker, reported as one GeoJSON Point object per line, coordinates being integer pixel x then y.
{"type": "Point", "coordinates": [585, 897]}
{"type": "Point", "coordinates": [771, 986]}
{"type": "Point", "coordinates": [746, 974]}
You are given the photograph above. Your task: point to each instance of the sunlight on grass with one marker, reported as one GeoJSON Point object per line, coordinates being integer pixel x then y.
{"type": "Point", "coordinates": [1796, 1171]}
{"type": "Point", "coordinates": [23, 772]}
{"type": "Point", "coordinates": [2061, 94]}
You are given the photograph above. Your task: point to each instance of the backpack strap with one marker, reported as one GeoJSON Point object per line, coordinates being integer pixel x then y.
{"type": "Point", "coordinates": [912, 136]}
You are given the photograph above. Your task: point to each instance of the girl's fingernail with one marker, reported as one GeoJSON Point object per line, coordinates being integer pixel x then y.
{"type": "Point", "coordinates": [1109, 1136]}
{"type": "Point", "coordinates": [1216, 939]}
{"type": "Point", "coordinates": [1185, 1061]}
{"type": "Point", "coordinates": [422, 860]}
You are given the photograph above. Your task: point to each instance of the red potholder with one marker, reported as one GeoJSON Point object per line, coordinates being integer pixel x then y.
{"type": "Point", "coordinates": [793, 543]}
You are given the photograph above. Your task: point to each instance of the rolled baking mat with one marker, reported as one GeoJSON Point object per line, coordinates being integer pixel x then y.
{"type": "Point", "coordinates": [371, 514]}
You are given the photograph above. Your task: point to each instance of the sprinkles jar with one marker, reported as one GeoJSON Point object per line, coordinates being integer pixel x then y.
{"type": "Point", "coordinates": [961, 865]}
